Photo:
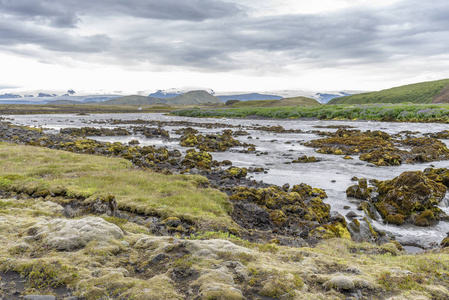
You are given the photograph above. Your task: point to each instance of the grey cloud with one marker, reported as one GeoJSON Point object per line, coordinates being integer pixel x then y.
{"type": "Point", "coordinates": [228, 40]}
{"type": "Point", "coordinates": [67, 13]}
{"type": "Point", "coordinates": [51, 39]}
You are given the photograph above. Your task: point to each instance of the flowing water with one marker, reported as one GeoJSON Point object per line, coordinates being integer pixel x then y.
{"type": "Point", "coordinates": [333, 173]}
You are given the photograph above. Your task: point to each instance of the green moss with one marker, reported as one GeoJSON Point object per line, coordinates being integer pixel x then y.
{"type": "Point", "coordinates": [235, 172]}
{"type": "Point", "coordinates": [396, 219]}
{"type": "Point", "coordinates": [425, 218]}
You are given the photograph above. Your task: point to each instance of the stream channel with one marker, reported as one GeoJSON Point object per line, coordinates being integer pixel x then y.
{"type": "Point", "coordinates": [332, 173]}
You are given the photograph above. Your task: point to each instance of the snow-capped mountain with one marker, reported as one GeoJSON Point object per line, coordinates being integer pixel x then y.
{"type": "Point", "coordinates": [40, 96]}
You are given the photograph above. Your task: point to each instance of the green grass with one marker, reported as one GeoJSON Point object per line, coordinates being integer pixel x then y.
{"type": "Point", "coordinates": [32, 169]}
{"type": "Point", "coordinates": [387, 112]}
{"type": "Point", "coordinates": [423, 92]}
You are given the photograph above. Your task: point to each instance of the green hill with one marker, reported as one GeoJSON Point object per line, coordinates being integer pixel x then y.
{"type": "Point", "coordinates": [294, 101]}
{"type": "Point", "coordinates": [424, 92]}
{"type": "Point", "coordinates": [133, 99]}
{"type": "Point", "coordinates": [193, 97]}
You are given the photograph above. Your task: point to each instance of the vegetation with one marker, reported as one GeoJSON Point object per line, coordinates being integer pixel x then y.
{"type": "Point", "coordinates": [424, 92]}
{"type": "Point", "coordinates": [89, 176]}
{"type": "Point", "coordinates": [296, 101]}
{"type": "Point", "coordinates": [388, 112]}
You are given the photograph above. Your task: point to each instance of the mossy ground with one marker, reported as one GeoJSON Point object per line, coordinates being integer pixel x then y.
{"type": "Point", "coordinates": [147, 267]}
{"type": "Point", "coordinates": [34, 169]}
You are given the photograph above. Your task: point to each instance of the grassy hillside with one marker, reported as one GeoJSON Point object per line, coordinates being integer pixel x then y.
{"type": "Point", "coordinates": [424, 92]}
{"type": "Point", "coordinates": [133, 99]}
{"type": "Point", "coordinates": [388, 112]}
{"type": "Point", "coordinates": [295, 101]}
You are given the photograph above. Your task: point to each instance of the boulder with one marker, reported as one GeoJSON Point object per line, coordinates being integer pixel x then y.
{"type": "Point", "coordinates": [340, 283]}
{"type": "Point", "coordinates": [63, 234]}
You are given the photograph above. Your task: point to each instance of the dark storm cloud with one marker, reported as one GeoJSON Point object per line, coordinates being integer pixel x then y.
{"type": "Point", "coordinates": [170, 33]}
{"type": "Point", "coordinates": [67, 13]}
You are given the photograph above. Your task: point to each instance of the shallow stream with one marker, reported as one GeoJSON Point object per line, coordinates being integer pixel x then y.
{"type": "Point", "coordinates": [332, 174]}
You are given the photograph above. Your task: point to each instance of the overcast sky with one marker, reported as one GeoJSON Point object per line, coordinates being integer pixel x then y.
{"type": "Point", "coordinates": [226, 45]}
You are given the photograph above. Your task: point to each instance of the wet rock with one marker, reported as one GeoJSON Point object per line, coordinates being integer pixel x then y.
{"type": "Point", "coordinates": [63, 234]}
{"type": "Point", "coordinates": [351, 215]}
{"type": "Point", "coordinates": [363, 231]}
{"type": "Point", "coordinates": [445, 242]}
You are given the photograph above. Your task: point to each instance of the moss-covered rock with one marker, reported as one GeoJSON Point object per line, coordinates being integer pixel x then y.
{"type": "Point", "coordinates": [439, 175]}
{"type": "Point", "coordinates": [210, 142]}
{"type": "Point", "coordinates": [286, 211]}
{"type": "Point", "coordinates": [410, 197]}
{"type": "Point", "coordinates": [236, 172]}
{"type": "Point", "coordinates": [384, 157]}
{"type": "Point", "coordinates": [306, 159]}
{"type": "Point", "coordinates": [200, 159]}
{"type": "Point", "coordinates": [360, 190]}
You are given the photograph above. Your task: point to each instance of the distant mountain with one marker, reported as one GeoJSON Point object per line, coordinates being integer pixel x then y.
{"type": "Point", "coordinates": [192, 97]}
{"type": "Point", "coordinates": [40, 95]}
{"type": "Point", "coordinates": [248, 97]}
{"type": "Point", "coordinates": [10, 96]}
{"type": "Point", "coordinates": [325, 98]}
{"type": "Point", "coordinates": [170, 93]}
{"type": "Point", "coordinates": [424, 92]}
{"type": "Point", "coordinates": [163, 95]}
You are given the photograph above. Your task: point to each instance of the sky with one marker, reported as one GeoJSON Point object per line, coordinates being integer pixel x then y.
{"type": "Point", "coordinates": [225, 45]}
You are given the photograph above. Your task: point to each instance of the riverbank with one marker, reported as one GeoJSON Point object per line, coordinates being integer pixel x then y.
{"type": "Point", "coordinates": [428, 113]}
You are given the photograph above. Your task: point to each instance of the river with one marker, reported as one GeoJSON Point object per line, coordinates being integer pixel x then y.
{"type": "Point", "coordinates": [332, 173]}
